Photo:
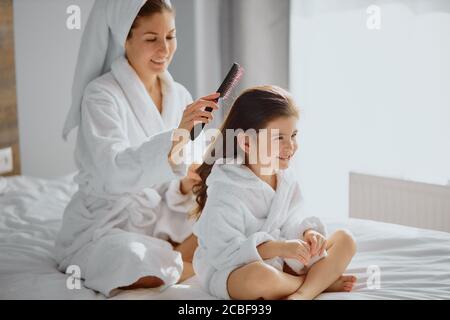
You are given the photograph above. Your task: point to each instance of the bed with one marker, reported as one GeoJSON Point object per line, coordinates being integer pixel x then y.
{"type": "Point", "coordinates": [410, 263]}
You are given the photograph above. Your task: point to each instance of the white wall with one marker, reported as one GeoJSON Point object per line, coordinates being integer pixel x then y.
{"type": "Point", "coordinates": [207, 50]}
{"type": "Point", "coordinates": [184, 64]}
{"type": "Point", "coordinates": [46, 53]}
{"type": "Point", "coordinates": [375, 102]}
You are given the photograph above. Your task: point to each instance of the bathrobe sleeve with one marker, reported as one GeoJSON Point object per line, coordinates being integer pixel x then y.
{"type": "Point", "coordinates": [222, 230]}
{"type": "Point", "coordinates": [123, 169]}
{"type": "Point", "coordinates": [295, 225]}
{"type": "Point", "coordinates": [177, 201]}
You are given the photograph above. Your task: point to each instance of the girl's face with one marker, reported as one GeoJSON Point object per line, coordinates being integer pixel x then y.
{"type": "Point", "coordinates": [152, 44]}
{"type": "Point", "coordinates": [275, 146]}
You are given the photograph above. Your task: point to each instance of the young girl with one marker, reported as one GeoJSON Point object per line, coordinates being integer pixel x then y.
{"type": "Point", "coordinates": [253, 242]}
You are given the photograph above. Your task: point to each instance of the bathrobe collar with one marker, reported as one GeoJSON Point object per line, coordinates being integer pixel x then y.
{"type": "Point", "coordinates": [148, 115]}
{"type": "Point", "coordinates": [232, 174]}
{"type": "Point", "coordinates": [232, 178]}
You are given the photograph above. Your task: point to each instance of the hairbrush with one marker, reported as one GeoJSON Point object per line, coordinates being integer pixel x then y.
{"type": "Point", "coordinates": [231, 80]}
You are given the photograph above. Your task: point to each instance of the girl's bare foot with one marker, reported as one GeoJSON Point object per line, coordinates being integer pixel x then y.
{"type": "Point", "coordinates": [343, 284]}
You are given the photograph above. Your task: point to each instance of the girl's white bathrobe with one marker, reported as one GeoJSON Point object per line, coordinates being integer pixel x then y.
{"type": "Point", "coordinates": [129, 199]}
{"type": "Point", "coordinates": [242, 212]}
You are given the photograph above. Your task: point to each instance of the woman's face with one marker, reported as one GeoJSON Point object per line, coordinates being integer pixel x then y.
{"type": "Point", "coordinates": [152, 44]}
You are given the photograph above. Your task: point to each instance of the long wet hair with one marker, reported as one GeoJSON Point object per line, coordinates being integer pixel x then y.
{"type": "Point", "coordinates": [253, 109]}
{"type": "Point", "coordinates": [150, 8]}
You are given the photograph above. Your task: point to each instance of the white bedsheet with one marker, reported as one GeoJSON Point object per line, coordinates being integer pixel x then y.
{"type": "Point", "coordinates": [414, 263]}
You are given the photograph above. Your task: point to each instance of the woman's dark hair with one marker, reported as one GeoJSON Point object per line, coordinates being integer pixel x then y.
{"type": "Point", "coordinates": [253, 109]}
{"type": "Point", "coordinates": [150, 8]}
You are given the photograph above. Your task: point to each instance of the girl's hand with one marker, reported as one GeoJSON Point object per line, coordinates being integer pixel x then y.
{"type": "Point", "coordinates": [191, 179]}
{"type": "Point", "coordinates": [296, 249]}
{"type": "Point", "coordinates": [316, 241]}
{"type": "Point", "coordinates": [195, 112]}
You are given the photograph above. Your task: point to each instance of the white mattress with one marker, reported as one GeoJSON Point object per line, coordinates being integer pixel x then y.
{"type": "Point", "coordinates": [414, 263]}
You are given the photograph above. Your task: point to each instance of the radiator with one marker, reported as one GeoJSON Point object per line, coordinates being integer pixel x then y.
{"type": "Point", "coordinates": [402, 202]}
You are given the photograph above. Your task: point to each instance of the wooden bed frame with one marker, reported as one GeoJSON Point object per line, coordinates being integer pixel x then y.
{"type": "Point", "coordinates": [9, 131]}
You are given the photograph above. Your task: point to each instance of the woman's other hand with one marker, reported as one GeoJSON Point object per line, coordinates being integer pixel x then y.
{"type": "Point", "coordinates": [191, 179]}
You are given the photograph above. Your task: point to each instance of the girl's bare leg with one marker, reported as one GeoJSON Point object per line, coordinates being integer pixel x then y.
{"type": "Point", "coordinates": [345, 283]}
{"type": "Point", "coordinates": [259, 280]}
{"type": "Point", "coordinates": [341, 249]}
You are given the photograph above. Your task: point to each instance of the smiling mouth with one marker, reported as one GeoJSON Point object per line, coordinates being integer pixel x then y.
{"type": "Point", "coordinates": [285, 158]}
{"type": "Point", "coordinates": [159, 62]}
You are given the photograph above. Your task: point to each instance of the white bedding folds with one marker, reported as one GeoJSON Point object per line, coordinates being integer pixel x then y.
{"type": "Point", "coordinates": [413, 263]}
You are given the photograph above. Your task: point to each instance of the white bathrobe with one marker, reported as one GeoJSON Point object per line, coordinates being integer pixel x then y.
{"type": "Point", "coordinates": [241, 213]}
{"type": "Point", "coordinates": [129, 199]}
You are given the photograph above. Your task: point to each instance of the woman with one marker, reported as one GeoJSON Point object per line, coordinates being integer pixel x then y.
{"type": "Point", "coordinates": [131, 206]}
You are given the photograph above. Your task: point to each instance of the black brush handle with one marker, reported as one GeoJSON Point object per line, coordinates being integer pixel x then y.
{"type": "Point", "coordinates": [227, 84]}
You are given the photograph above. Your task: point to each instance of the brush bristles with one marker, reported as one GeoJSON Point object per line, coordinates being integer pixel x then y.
{"type": "Point", "coordinates": [231, 80]}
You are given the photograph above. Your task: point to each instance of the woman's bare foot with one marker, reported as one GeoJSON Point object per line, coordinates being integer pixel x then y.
{"type": "Point", "coordinates": [343, 284]}
{"type": "Point", "coordinates": [145, 282]}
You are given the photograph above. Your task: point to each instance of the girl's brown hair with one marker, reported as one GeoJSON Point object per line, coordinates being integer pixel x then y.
{"type": "Point", "coordinates": [150, 8]}
{"type": "Point", "coordinates": [253, 109]}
